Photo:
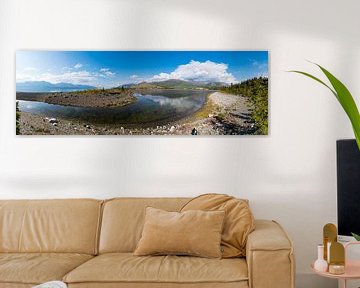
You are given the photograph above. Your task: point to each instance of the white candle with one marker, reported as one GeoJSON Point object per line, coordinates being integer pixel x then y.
{"type": "Point", "coordinates": [328, 252]}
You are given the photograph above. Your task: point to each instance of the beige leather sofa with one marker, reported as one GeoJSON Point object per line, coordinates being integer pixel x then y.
{"type": "Point", "coordinates": [89, 243]}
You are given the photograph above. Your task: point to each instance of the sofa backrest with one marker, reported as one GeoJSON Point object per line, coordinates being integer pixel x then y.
{"type": "Point", "coordinates": [67, 226]}
{"type": "Point", "coordinates": [123, 220]}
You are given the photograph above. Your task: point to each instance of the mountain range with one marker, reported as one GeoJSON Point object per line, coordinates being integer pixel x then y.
{"type": "Point", "coordinates": [176, 84]}
{"type": "Point", "coordinates": [43, 86]}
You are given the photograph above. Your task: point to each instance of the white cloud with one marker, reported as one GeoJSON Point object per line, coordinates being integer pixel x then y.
{"type": "Point", "coordinates": [134, 76]}
{"type": "Point", "coordinates": [68, 75]}
{"type": "Point", "coordinates": [23, 77]}
{"type": "Point", "coordinates": [106, 72]}
{"type": "Point", "coordinates": [109, 73]}
{"type": "Point", "coordinates": [75, 77]}
{"type": "Point", "coordinates": [30, 68]}
{"type": "Point", "coordinates": [207, 71]}
{"type": "Point", "coordinates": [78, 66]}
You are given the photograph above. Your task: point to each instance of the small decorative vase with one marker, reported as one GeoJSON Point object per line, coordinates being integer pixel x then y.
{"type": "Point", "coordinates": [320, 264]}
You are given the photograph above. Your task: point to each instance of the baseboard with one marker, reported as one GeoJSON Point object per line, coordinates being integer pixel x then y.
{"type": "Point", "coordinates": [309, 280]}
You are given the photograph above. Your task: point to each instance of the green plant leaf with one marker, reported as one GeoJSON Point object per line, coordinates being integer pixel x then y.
{"type": "Point", "coordinates": [356, 236]}
{"type": "Point", "coordinates": [357, 137]}
{"type": "Point", "coordinates": [316, 79]}
{"type": "Point", "coordinates": [344, 97]}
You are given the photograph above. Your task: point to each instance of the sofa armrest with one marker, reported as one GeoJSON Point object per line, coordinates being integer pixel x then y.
{"type": "Point", "coordinates": [269, 255]}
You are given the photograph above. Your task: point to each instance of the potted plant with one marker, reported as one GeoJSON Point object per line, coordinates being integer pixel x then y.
{"type": "Point", "coordinates": [345, 99]}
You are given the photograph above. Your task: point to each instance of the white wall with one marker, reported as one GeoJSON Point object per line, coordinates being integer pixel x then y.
{"type": "Point", "coordinates": [289, 175]}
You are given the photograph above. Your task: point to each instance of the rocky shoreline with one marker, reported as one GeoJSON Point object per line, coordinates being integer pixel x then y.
{"type": "Point", "coordinates": [116, 97]}
{"type": "Point", "coordinates": [222, 114]}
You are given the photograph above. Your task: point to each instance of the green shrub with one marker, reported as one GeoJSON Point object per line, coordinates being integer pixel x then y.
{"type": "Point", "coordinates": [256, 90]}
{"type": "Point", "coordinates": [220, 116]}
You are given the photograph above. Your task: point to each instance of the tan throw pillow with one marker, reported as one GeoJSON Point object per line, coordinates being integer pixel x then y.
{"type": "Point", "coordinates": [239, 220]}
{"type": "Point", "coordinates": [196, 233]}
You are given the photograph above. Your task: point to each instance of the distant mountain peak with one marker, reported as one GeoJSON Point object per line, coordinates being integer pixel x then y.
{"type": "Point", "coordinates": [44, 86]}
{"type": "Point", "coordinates": [177, 84]}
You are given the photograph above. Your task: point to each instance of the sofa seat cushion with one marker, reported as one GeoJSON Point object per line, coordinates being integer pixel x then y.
{"type": "Point", "coordinates": [36, 268]}
{"type": "Point", "coordinates": [127, 268]}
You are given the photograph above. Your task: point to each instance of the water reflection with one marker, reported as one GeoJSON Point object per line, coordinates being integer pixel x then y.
{"type": "Point", "coordinates": [151, 107]}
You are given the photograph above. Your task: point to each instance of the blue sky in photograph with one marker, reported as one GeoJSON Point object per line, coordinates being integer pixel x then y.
{"type": "Point", "coordinates": [114, 68]}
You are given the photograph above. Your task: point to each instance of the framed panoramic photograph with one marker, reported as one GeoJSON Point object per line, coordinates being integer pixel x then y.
{"type": "Point", "coordinates": [142, 93]}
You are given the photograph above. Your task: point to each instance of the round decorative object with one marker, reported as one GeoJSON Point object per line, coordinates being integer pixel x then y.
{"type": "Point", "coordinates": [336, 269]}
{"type": "Point", "coordinates": [320, 264]}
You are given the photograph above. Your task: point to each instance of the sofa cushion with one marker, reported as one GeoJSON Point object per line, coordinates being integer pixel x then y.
{"type": "Point", "coordinates": [123, 220]}
{"type": "Point", "coordinates": [63, 226]}
{"type": "Point", "coordinates": [126, 268]}
{"type": "Point", "coordinates": [194, 232]}
{"type": "Point", "coordinates": [239, 220]}
{"type": "Point", "coordinates": [36, 268]}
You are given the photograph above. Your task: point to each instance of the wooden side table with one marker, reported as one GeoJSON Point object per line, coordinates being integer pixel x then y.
{"type": "Point", "coordinates": [352, 268]}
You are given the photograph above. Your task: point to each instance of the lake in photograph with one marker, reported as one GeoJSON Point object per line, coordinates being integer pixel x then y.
{"type": "Point", "coordinates": [151, 107]}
